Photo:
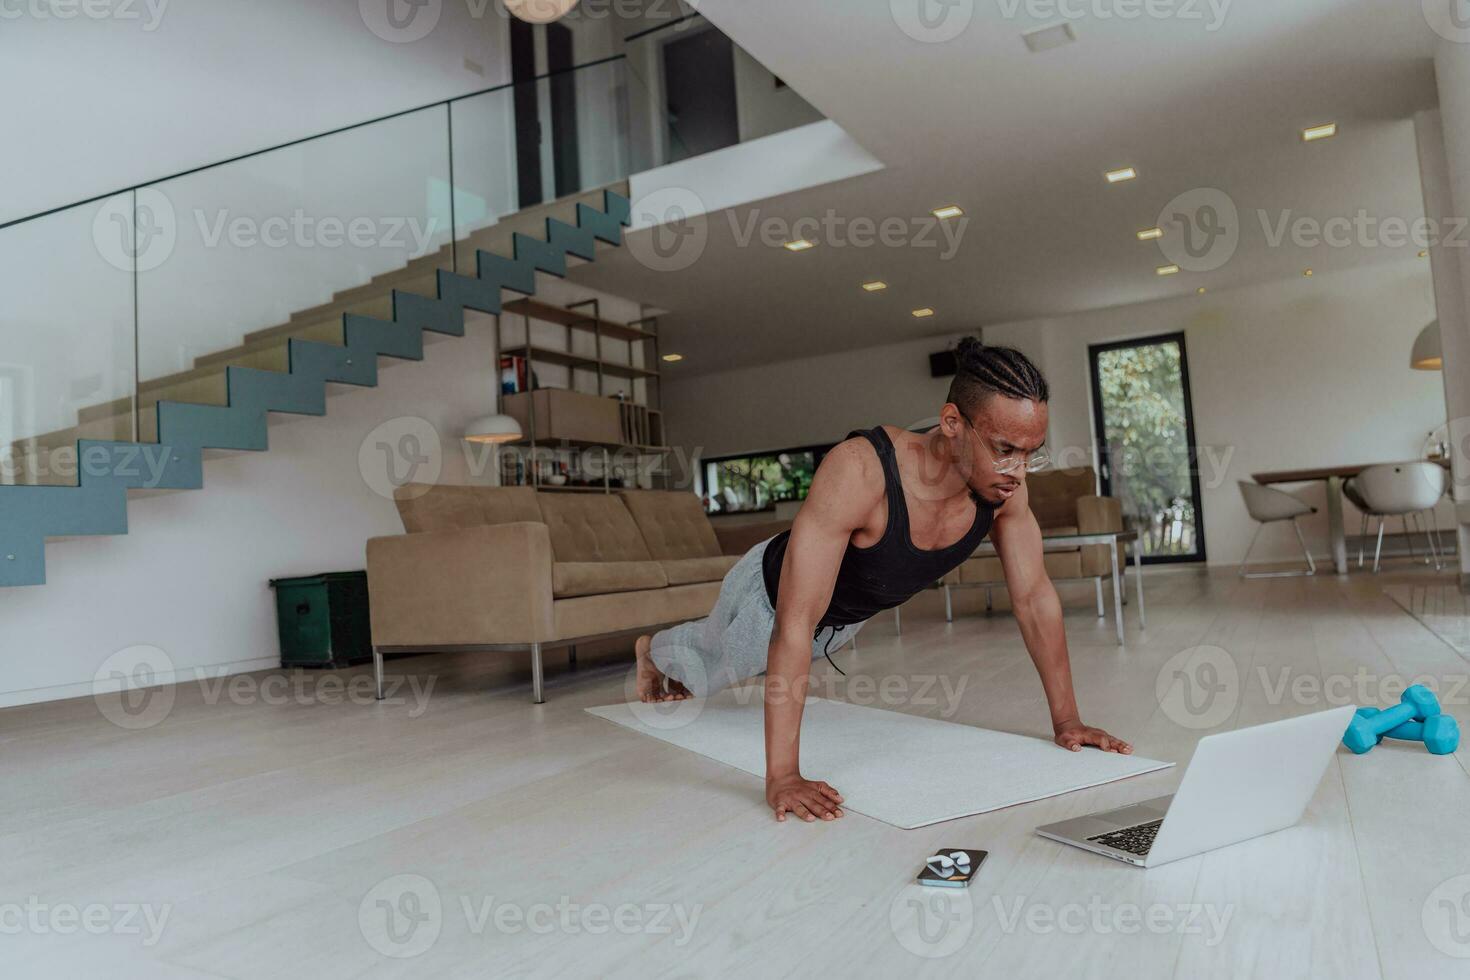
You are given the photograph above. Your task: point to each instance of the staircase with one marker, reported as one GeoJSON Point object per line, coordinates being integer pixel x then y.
{"type": "Point", "coordinates": [222, 403]}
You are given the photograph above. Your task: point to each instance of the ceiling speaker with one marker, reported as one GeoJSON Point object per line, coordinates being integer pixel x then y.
{"type": "Point", "coordinates": [942, 365]}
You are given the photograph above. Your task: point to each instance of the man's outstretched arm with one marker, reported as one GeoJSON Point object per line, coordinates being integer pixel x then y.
{"type": "Point", "coordinates": [846, 488]}
{"type": "Point", "coordinates": [1017, 539]}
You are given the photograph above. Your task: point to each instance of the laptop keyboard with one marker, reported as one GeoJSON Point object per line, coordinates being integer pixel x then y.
{"type": "Point", "coordinates": [1135, 840]}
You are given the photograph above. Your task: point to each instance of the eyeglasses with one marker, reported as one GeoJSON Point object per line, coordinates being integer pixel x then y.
{"type": "Point", "coordinates": [1009, 464]}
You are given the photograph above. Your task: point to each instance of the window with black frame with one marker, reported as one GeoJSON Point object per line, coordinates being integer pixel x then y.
{"type": "Point", "coordinates": [759, 481]}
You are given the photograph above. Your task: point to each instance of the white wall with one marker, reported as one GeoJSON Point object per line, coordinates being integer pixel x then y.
{"type": "Point", "coordinates": [191, 575]}
{"type": "Point", "coordinates": [130, 99]}
{"type": "Point", "coordinates": [804, 402]}
{"type": "Point", "coordinates": [1297, 373]}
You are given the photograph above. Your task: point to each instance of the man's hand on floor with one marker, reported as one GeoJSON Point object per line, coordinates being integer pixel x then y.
{"type": "Point", "coordinates": [1073, 735]}
{"type": "Point", "coordinates": [808, 799]}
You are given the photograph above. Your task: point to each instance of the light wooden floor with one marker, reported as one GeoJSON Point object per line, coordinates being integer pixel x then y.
{"type": "Point", "coordinates": [267, 832]}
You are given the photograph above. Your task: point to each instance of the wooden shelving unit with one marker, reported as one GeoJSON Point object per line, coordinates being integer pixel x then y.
{"type": "Point", "coordinates": [641, 426]}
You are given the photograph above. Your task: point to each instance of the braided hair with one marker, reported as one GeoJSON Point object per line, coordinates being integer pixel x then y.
{"type": "Point", "coordinates": [982, 372]}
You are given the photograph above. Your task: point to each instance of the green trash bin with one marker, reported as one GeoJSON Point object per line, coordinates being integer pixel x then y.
{"type": "Point", "coordinates": [323, 620]}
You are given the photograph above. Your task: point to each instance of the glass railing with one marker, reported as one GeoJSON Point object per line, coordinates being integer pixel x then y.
{"type": "Point", "coordinates": [149, 294]}
{"type": "Point", "coordinates": [697, 91]}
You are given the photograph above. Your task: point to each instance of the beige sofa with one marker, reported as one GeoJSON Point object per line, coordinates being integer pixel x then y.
{"type": "Point", "coordinates": [512, 569]}
{"type": "Point", "coordinates": [1064, 502]}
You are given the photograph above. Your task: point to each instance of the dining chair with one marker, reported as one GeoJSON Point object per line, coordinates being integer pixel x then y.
{"type": "Point", "coordinates": [1402, 490]}
{"type": "Point", "coordinates": [1267, 505]}
{"type": "Point", "coordinates": [1350, 491]}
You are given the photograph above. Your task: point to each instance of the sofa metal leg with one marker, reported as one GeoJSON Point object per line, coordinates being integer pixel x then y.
{"type": "Point", "coordinates": [1101, 610]}
{"type": "Point", "coordinates": [1378, 551]}
{"type": "Point", "coordinates": [898, 620]}
{"type": "Point", "coordinates": [378, 671]}
{"type": "Point", "coordinates": [537, 695]}
{"type": "Point", "coordinates": [948, 605]}
{"type": "Point", "coordinates": [572, 655]}
{"type": "Point", "coordinates": [989, 599]}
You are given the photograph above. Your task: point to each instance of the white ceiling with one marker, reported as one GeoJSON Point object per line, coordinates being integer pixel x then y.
{"type": "Point", "coordinates": [1021, 140]}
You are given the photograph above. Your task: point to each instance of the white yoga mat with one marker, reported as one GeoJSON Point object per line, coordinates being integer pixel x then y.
{"type": "Point", "coordinates": [901, 769]}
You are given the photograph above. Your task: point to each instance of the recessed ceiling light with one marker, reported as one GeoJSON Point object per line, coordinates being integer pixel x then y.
{"type": "Point", "coordinates": [1118, 176]}
{"type": "Point", "coordinates": [673, 357]}
{"type": "Point", "coordinates": [948, 211]}
{"type": "Point", "coordinates": [1166, 270]}
{"type": "Point", "coordinates": [1201, 290]}
{"type": "Point", "coordinates": [800, 245]}
{"type": "Point", "coordinates": [1307, 273]}
{"type": "Point", "coordinates": [923, 311]}
{"type": "Point", "coordinates": [1149, 234]}
{"type": "Point", "coordinates": [1424, 253]}
{"type": "Point", "coordinates": [875, 285]}
{"type": "Point", "coordinates": [1319, 132]}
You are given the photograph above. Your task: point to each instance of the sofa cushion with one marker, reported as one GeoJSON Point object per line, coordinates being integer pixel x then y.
{"type": "Point", "coordinates": [591, 527]}
{"type": "Point", "coordinates": [1059, 530]}
{"type": "Point", "coordinates": [572, 578]}
{"type": "Point", "coordinates": [977, 570]}
{"type": "Point", "coordinates": [1054, 493]}
{"type": "Point", "coordinates": [673, 523]}
{"type": "Point", "coordinates": [988, 570]}
{"type": "Point", "coordinates": [684, 571]}
{"type": "Point", "coordinates": [597, 615]}
{"type": "Point", "coordinates": [446, 507]}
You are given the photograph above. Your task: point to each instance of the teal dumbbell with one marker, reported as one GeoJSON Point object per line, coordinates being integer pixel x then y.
{"type": "Point", "coordinates": [1440, 734]}
{"type": "Point", "coordinates": [1366, 730]}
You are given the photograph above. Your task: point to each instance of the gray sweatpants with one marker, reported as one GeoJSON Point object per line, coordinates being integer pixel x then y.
{"type": "Point", "coordinates": [731, 643]}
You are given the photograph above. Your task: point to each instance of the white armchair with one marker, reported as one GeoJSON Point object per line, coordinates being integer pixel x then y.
{"type": "Point", "coordinates": [1267, 505]}
{"type": "Point", "coordinates": [1402, 490]}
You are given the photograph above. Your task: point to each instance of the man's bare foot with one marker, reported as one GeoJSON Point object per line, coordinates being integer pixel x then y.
{"type": "Point", "coordinates": [652, 684]}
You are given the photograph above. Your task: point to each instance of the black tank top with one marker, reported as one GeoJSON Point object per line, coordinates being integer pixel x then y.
{"type": "Point", "coordinates": [891, 571]}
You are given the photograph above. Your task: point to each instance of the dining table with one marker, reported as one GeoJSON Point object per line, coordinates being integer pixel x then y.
{"type": "Point", "coordinates": [1334, 477]}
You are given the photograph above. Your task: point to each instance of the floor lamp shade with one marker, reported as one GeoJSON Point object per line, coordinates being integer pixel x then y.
{"type": "Point", "coordinates": [1426, 355]}
{"type": "Point", "coordinates": [493, 429]}
{"type": "Point", "coordinates": [540, 11]}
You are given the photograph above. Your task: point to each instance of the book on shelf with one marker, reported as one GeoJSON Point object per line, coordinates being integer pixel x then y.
{"type": "Point", "coordinates": [513, 375]}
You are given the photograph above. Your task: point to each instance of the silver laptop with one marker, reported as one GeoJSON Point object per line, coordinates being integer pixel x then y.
{"type": "Point", "coordinates": [1239, 785]}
